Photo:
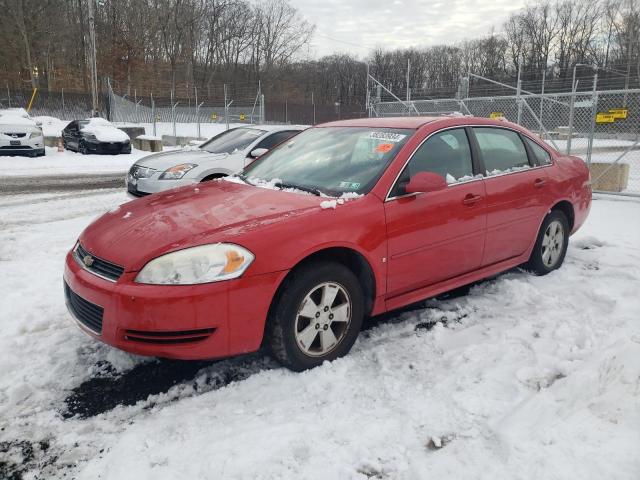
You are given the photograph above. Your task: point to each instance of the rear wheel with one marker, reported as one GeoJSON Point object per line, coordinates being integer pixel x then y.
{"type": "Point", "coordinates": [551, 245]}
{"type": "Point", "coordinates": [317, 317]}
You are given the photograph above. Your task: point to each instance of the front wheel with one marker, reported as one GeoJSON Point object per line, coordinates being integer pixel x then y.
{"type": "Point", "coordinates": [551, 245]}
{"type": "Point", "coordinates": [317, 316]}
{"type": "Point", "coordinates": [82, 148]}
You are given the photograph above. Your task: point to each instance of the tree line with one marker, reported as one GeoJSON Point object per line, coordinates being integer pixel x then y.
{"type": "Point", "coordinates": [174, 47]}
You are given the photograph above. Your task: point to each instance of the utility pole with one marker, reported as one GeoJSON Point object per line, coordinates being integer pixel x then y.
{"type": "Point", "coordinates": [92, 59]}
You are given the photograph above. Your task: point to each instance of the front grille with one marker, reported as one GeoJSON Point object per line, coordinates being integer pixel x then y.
{"type": "Point", "coordinates": [87, 313]}
{"type": "Point", "coordinates": [168, 338]}
{"type": "Point", "coordinates": [15, 147]}
{"type": "Point", "coordinates": [98, 266]}
{"type": "Point", "coordinates": [16, 135]}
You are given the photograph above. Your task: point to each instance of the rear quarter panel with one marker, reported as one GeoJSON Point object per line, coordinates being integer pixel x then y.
{"type": "Point", "coordinates": [570, 181]}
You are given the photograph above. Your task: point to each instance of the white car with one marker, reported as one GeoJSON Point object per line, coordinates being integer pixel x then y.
{"type": "Point", "coordinates": [222, 155]}
{"type": "Point", "coordinates": [19, 134]}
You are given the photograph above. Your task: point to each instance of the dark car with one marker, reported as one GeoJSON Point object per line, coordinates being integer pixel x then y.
{"type": "Point", "coordinates": [95, 135]}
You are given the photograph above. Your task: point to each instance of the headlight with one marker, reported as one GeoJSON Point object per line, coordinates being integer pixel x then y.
{"type": "Point", "coordinates": [203, 264]}
{"type": "Point", "coordinates": [35, 134]}
{"type": "Point", "coordinates": [91, 138]}
{"type": "Point", "coordinates": [174, 173]}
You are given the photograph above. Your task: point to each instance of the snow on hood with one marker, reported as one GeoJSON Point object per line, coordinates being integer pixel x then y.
{"type": "Point", "coordinates": [104, 131]}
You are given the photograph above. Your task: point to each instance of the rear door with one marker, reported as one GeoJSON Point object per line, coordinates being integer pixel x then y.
{"type": "Point", "coordinates": [515, 193]}
{"type": "Point", "coordinates": [438, 235]}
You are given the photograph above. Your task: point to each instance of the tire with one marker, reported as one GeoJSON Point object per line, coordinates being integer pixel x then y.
{"type": "Point", "coordinates": [82, 148]}
{"type": "Point", "coordinates": [296, 340]}
{"type": "Point", "coordinates": [551, 244]}
{"type": "Point", "coordinates": [212, 177]}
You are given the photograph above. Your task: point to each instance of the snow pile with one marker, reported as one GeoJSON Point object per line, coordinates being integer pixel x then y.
{"type": "Point", "coordinates": [327, 204]}
{"type": "Point", "coordinates": [465, 178]}
{"type": "Point", "coordinates": [104, 131]}
{"type": "Point", "coordinates": [525, 377]}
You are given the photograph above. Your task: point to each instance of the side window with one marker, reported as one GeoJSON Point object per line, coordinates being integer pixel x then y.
{"type": "Point", "coordinates": [502, 150]}
{"type": "Point", "coordinates": [275, 139]}
{"type": "Point", "coordinates": [446, 153]}
{"type": "Point", "coordinates": [541, 155]}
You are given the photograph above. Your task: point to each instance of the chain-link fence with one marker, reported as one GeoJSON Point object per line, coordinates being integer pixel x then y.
{"type": "Point", "coordinates": [59, 104]}
{"type": "Point", "coordinates": [602, 127]}
{"type": "Point", "coordinates": [189, 115]}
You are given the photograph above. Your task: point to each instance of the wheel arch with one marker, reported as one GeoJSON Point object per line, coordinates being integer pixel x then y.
{"type": "Point", "coordinates": [566, 207]}
{"type": "Point", "coordinates": [347, 256]}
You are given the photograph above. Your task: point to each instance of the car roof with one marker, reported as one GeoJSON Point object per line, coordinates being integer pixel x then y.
{"type": "Point", "coordinates": [417, 122]}
{"type": "Point", "coordinates": [384, 122]}
{"type": "Point", "coordinates": [276, 128]}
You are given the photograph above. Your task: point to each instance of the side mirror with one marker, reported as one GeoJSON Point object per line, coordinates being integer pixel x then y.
{"type": "Point", "coordinates": [423, 182]}
{"type": "Point", "coordinates": [258, 152]}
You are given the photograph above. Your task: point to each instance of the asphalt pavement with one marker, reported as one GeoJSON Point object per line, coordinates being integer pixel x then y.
{"type": "Point", "coordinates": [59, 183]}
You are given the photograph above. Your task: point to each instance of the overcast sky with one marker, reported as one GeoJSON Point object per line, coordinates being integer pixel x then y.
{"type": "Point", "coordinates": [357, 26]}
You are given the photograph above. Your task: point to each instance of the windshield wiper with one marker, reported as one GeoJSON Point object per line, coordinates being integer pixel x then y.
{"type": "Point", "coordinates": [311, 190]}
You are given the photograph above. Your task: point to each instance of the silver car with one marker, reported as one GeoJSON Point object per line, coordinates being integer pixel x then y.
{"type": "Point", "coordinates": [222, 155]}
{"type": "Point", "coordinates": [20, 134]}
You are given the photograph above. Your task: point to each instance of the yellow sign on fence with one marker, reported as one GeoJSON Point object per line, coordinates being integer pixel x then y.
{"type": "Point", "coordinates": [243, 117]}
{"type": "Point", "coordinates": [605, 118]}
{"type": "Point", "coordinates": [495, 115]}
{"type": "Point", "coordinates": [619, 113]}
{"type": "Point", "coordinates": [214, 116]}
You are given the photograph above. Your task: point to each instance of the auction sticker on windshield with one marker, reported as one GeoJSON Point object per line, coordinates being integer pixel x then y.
{"type": "Point", "coordinates": [387, 136]}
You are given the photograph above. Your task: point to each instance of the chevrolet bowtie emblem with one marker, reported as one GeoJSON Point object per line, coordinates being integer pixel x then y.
{"type": "Point", "coordinates": [87, 260]}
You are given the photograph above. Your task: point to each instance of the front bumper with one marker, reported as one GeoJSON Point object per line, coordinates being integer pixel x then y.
{"type": "Point", "coordinates": [227, 317]}
{"type": "Point", "coordinates": [21, 146]}
{"type": "Point", "coordinates": [140, 187]}
{"type": "Point", "coordinates": [113, 148]}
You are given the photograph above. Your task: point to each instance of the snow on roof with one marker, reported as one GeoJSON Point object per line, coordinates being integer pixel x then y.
{"type": "Point", "coordinates": [103, 130]}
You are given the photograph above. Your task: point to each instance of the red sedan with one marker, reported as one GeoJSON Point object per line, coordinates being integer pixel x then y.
{"type": "Point", "coordinates": [345, 220]}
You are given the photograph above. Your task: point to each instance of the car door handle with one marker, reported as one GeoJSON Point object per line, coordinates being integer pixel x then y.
{"type": "Point", "coordinates": [471, 199]}
{"type": "Point", "coordinates": [539, 182]}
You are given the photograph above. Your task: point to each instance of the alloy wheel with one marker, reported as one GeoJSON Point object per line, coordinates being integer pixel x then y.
{"type": "Point", "coordinates": [552, 244]}
{"type": "Point", "coordinates": [323, 319]}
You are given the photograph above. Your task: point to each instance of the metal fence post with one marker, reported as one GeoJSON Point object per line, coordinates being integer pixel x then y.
{"type": "Point", "coordinates": [173, 115]}
{"type": "Point", "coordinates": [571, 113]}
{"type": "Point", "coordinates": [62, 93]}
{"type": "Point", "coordinates": [8, 95]}
{"type": "Point", "coordinates": [518, 95]}
{"type": "Point", "coordinates": [153, 114]}
{"type": "Point", "coordinates": [226, 107]}
{"type": "Point", "coordinates": [592, 123]}
{"type": "Point", "coordinates": [262, 113]}
{"type": "Point", "coordinates": [198, 117]}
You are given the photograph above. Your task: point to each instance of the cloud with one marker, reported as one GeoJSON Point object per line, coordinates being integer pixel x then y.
{"type": "Point", "coordinates": [358, 26]}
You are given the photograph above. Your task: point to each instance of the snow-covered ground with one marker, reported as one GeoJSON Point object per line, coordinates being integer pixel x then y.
{"type": "Point", "coordinates": [524, 378]}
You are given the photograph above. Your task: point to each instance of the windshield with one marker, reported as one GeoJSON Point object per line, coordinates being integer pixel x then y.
{"type": "Point", "coordinates": [232, 140]}
{"type": "Point", "coordinates": [331, 160]}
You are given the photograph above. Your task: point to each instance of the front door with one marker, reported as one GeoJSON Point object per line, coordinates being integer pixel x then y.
{"type": "Point", "coordinates": [438, 235]}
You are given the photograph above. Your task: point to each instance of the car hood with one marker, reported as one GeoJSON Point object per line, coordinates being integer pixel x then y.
{"type": "Point", "coordinates": [164, 160]}
{"type": "Point", "coordinates": [218, 211]}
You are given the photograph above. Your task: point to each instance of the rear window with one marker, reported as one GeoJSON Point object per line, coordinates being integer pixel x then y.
{"type": "Point", "coordinates": [502, 150]}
